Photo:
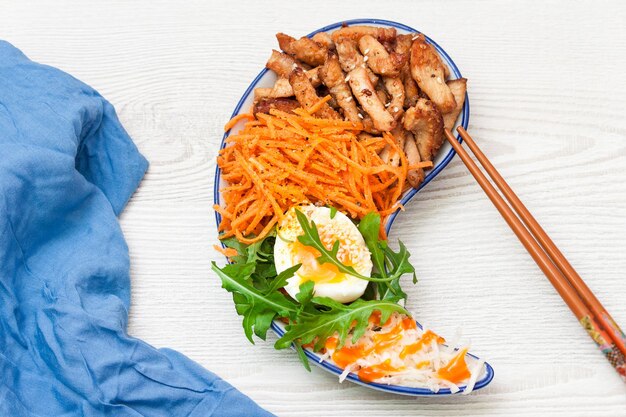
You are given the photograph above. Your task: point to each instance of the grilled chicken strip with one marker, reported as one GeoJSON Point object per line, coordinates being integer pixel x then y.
{"type": "Point", "coordinates": [350, 58]}
{"type": "Point", "coordinates": [424, 120]}
{"type": "Point", "coordinates": [324, 39]}
{"type": "Point", "coordinates": [428, 71]}
{"type": "Point", "coordinates": [378, 59]}
{"type": "Point", "coordinates": [306, 95]}
{"type": "Point", "coordinates": [395, 89]}
{"type": "Point", "coordinates": [403, 48]}
{"type": "Point", "coordinates": [411, 90]}
{"type": "Point", "coordinates": [304, 49]}
{"type": "Point", "coordinates": [281, 89]}
{"type": "Point", "coordinates": [314, 76]}
{"type": "Point", "coordinates": [266, 104]}
{"type": "Point", "coordinates": [389, 156]}
{"type": "Point", "coordinates": [382, 94]}
{"type": "Point", "coordinates": [356, 32]}
{"type": "Point", "coordinates": [365, 93]}
{"type": "Point", "coordinates": [282, 64]}
{"type": "Point", "coordinates": [403, 44]}
{"type": "Point", "coordinates": [458, 88]}
{"type": "Point", "coordinates": [414, 176]}
{"type": "Point", "coordinates": [334, 78]}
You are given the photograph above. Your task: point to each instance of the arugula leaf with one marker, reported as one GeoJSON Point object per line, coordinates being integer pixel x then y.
{"type": "Point", "coordinates": [305, 294]}
{"type": "Point", "coordinates": [281, 279]}
{"type": "Point", "coordinates": [388, 263]}
{"type": "Point", "coordinates": [369, 226]}
{"type": "Point", "coordinates": [336, 318]}
{"type": "Point", "coordinates": [311, 238]}
{"type": "Point", "coordinates": [241, 249]}
{"type": "Point", "coordinates": [301, 355]}
{"type": "Point", "coordinates": [261, 255]}
{"type": "Point", "coordinates": [258, 309]}
{"type": "Point", "coordinates": [258, 251]}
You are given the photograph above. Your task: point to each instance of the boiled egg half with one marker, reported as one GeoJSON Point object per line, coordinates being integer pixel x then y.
{"type": "Point", "coordinates": [329, 281]}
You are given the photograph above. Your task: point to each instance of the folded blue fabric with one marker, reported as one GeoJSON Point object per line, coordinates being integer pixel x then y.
{"type": "Point", "coordinates": [67, 169]}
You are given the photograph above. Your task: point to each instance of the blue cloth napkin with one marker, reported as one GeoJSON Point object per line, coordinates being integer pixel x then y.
{"type": "Point", "coordinates": [67, 169]}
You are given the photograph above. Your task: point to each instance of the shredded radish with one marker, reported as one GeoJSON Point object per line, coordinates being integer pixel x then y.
{"type": "Point", "coordinates": [345, 373]}
{"type": "Point", "coordinates": [476, 370]}
{"type": "Point", "coordinates": [399, 353]}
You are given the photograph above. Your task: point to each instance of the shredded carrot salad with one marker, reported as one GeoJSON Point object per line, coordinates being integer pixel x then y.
{"type": "Point", "coordinates": [284, 159]}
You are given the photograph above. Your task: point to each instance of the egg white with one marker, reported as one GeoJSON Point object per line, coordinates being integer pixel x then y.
{"type": "Point", "coordinates": [348, 289]}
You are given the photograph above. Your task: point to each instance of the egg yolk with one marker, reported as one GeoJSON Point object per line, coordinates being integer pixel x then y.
{"type": "Point", "coordinates": [311, 269]}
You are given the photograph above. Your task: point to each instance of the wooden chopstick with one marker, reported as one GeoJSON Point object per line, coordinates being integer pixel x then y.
{"type": "Point", "coordinates": [570, 286]}
{"type": "Point", "coordinates": [590, 300]}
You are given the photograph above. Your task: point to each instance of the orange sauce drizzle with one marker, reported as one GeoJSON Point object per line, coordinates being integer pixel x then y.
{"type": "Point", "coordinates": [426, 339]}
{"type": "Point", "coordinates": [456, 370]}
{"type": "Point", "coordinates": [384, 340]}
{"type": "Point", "coordinates": [374, 372]}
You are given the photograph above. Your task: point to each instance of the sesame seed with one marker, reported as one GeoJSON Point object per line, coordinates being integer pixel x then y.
{"type": "Point", "coordinates": [415, 37]}
{"type": "Point", "coordinates": [348, 78]}
{"type": "Point", "coordinates": [388, 104]}
{"type": "Point", "coordinates": [439, 80]}
{"type": "Point", "coordinates": [349, 99]}
{"type": "Point", "coordinates": [295, 65]}
{"type": "Point", "coordinates": [360, 116]}
{"type": "Point", "coordinates": [366, 51]}
{"type": "Point", "coordinates": [366, 58]}
{"type": "Point", "coordinates": [395, 109]}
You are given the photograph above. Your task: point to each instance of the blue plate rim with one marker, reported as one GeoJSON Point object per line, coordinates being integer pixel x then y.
{"type": "Point", "coordinates": [396, 389]}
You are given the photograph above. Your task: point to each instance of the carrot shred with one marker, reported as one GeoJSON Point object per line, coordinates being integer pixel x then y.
{"type": "Point", "coordinates": [421, 165]}
{"type": "Point", "coordinates": [282, 159]}
{"type": "Point", "coordinates": [228, 252]}
{"type": "Point", "coordinates": [232, 122]}
{"type": "Point", "coordinates": [315, 107]}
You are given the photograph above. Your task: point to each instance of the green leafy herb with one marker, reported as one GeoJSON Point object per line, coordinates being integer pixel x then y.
{"type": "Point", "coordinates": [387, 263]}
{"type": "Point", "coordinates": [261, 254]}
{"type": "Point", "coordinates": [304, 297]}
{"type": "Point", "coordinates": [301, 355]}
{"type": "Point", "coordinates": [261, 251]}
{"type": "Point", "coordinates": [258, 309]}
{"type": "Point", "coordinates": [256, 288]}
{"type": "Point", "coordinates": [369, 226]}
{"type": "Point", "coordinates": [336, 318]}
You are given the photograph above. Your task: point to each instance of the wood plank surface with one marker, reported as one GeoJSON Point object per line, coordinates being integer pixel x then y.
{"type": "Point", "coordinates": [547, 99]}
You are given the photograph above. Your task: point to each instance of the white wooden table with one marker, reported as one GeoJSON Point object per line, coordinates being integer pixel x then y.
{"type": "Point", "coordinates": [547, 95]}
